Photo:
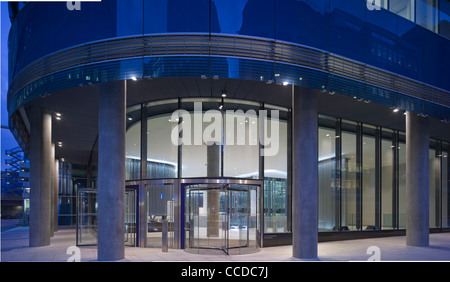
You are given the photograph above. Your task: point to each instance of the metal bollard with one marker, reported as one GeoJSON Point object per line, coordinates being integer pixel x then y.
{"type": "Point", "coordinates": [165, 245]}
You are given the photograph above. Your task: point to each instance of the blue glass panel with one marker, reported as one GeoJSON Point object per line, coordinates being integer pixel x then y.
{"type": "Point", "coordinates": [382, 42]}
{"type": "Point", "coordinates": [444, 18]}
{"type": "Point", "coordinates": [303, 22]}
{"type": "Point", "coordinates": [423, 54]}
{"type": "Point", "coordinates": [130, 17]}
{"type": "Point", "coordinates": [258, 18]}
{"type": "Point", "coordinates": [228, 15]}
{"type": "Point", "coordinates": [45, 28]}
{"type": "Point", "coordinates": [163, 16]}
{"type": "Point", "coordinates": [348, 35]}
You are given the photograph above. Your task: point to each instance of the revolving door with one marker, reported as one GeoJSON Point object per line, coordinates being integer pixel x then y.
{"type": "Point", "coordinates": [222, 217]}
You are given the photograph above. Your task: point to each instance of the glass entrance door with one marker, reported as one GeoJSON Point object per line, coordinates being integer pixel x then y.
{"type": "Point", "coordinates": [207, 218]}
{"type": "Point", "coordinates": [239, 218]}
{"type": "Point", "coordinates": [222, 217]}
{"type": "Point", "coordinates": [130, 217]}
{"type": "Point", "coordinates": [160, 206]}
{"type": "Point", "coordinates": [86, 217]}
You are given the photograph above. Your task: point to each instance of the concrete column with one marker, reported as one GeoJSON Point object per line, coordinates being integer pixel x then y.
{"type": "Point", "coordinates": [111, 171]}
{"type": "Point", "coordinates": [40, 176]}
{"type": "Point", "coordinates": [55, 195]}
{"type": "Point", "coordinates": [304, 173]}
{"type": "Point", "coordinates": [417, 180]}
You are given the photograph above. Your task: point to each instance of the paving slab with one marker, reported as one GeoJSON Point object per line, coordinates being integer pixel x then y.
{"type": "Point", "coordinates": [14, 248]}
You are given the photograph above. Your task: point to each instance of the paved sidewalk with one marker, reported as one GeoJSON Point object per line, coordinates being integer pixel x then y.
{"type": "Point", "coordinates": [14, 248]}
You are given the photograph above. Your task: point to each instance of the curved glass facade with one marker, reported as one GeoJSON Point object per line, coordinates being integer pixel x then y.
{"type": "Point", "coordinates": [385, 39]}
{"type": "Point", "coordinates": [362, 174]}
{"type": "Point", "coordinates": [349, 29]}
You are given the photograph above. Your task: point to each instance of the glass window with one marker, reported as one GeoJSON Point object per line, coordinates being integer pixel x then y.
{"type": "Point", "coordinates": [162, 151]}
{"type": "Point", "coordinates": [133, 144]}
{"type": "Point", "coordinates": [444, 18]}
{"type": "Point", "coordinates": [164, 16]}
{"type": "Point", "coordinates": [369, 199]}
{"type": "Point", "coordinates": [427, 14]}
{"type": "Point", "coordinates": [404, 8]}
{"type": "Point", "coordinates": [160, 206]}
{"type": "Point", "coordinates": [349, 182]}
{"type": "Point", "coordinates": [434, 186]}
{"type": "Point", "coordinates": [328, 190]}
{"type": "Point", "coordinates": [445, 186]}
{"type": "Point", "coordinates": [199, 159]}
{"type": "Point", "coordinates": [241, 135]}
{"type": "Point", "coordinates": [276, 196]}
{"type": "Point", "coordinates": [402, 183]}
{"type": "Point", "coordinates": [387, 169]}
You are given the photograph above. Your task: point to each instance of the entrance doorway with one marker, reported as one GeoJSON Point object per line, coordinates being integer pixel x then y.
{"type": "Point", "coordinates": [160, 206]}
{"type": "Point", "coordinates": [222, 217]}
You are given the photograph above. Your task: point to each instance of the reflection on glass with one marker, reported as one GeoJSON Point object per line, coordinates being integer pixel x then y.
{"type": "Point", "coordinates": [328, 192]}
{"type": "Point", "coordinates": [444, 18]}
{"type": "Point", "coordinates": [241, 157]}
{"type": "Point", "coordinates": [133, 152]}
{"type": "Point", "coordinates": [445, 186]}
{"type": "Point", "coordinates": [402, 185]}
{"type": "Point", "coordinates": [404, 8]}
{"type": "Point", "coordinates": [368, 185]}
{"type": "Point", "coordinates": [87, 217]}
{"type": "Point", "coordinates": [222, 217]}
{"type": "Point", "coordinates": [160, 206]}
{"type": "Point", "coordinates": [130, 218]}
{"type": "Point", "coordinates": [387, 169]}
{"type": "Point", "coordinates": [434, 188]}
{"type": "Point", "coordinates": [162, 154]}
{"type": "Point", "coordinates": [427, 14]}
{"type": "Point", "coordinates": [349, 182]}
{"type": "Point", "coordinates": [198, 158]}
{"type": "Point", "coordinates": [275, 187]}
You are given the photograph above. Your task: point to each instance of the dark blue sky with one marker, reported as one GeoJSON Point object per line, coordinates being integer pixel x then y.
{"type": "Point", "coordinates": [7, 139]}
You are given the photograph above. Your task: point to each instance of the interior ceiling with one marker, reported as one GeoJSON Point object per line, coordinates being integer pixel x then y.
{"type": "Point", "coordinates": [77, 130]}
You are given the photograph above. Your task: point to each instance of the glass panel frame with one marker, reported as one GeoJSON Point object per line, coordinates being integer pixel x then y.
{"type": "Point", "coordinates": [87, 212]}
{"type": "Point", "coordinates": [236, 227]}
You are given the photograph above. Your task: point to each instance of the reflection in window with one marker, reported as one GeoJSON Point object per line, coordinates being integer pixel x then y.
{"type": "Point", "coordinates": [349, 182]}
{"type": "Point", "coordinates": [162, 154]}
{"type": "Point", "coordinates": [368, 183]}
{"type": "Point", "coordinates": [275, 187]}
{"type": "Point", "coordinates": [427, 14]}
{"type": "Point", "coordinates": [387, 169]}
{"type": "Point", "coordinates": [199, 159]}
{"type": "Point", "coordinates": [434, 187]}
{"type": "Point", "coordinates": [133, 143]}
{"type": "Point", "coordinates": [402, 185]}
{"type": "Point", "coordinates": [404, 8]}
{"type": "Point", "coordinates": [445, 187]}
{"type": "Point", "coordinates": [241, 152]}
{"type": "Point", "coordinates": [444, 18]}
{"type": "Point", "coordinates": [328, 192]}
